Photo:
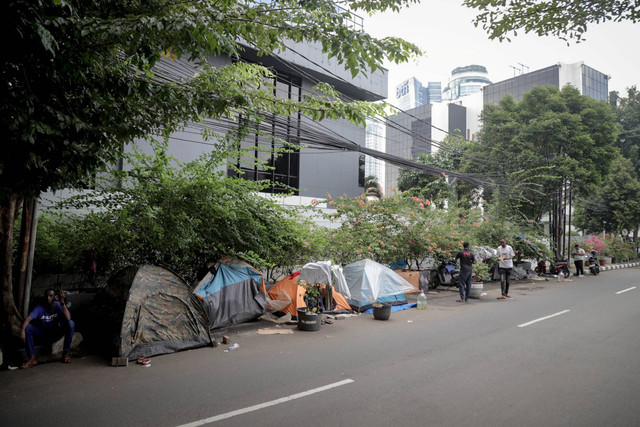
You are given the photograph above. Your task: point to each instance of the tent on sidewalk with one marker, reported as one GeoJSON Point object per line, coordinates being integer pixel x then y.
{"type": "Point", "coordinates": [371, 282]}
{"type": "Point", "coordinates": [325, 273]}
{"type": "Point", "coordinates": [288, 288]}
{"type": "Point", "coordinates": [232, 292]}
{"type": "Point", "coordinates": [147, 311]}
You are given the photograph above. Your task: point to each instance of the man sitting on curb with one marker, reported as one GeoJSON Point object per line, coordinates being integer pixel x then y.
{"type": "Point", "coordinates": [51, 321]}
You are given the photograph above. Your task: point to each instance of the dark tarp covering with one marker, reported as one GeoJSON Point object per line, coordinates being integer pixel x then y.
{"type": "Point", "coordinates": [232, 293]}
{"type": "Point", "coordinates": [157, 310]}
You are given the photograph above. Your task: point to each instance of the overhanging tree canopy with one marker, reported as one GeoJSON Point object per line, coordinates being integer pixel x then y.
{"type": "Point", "coordinates": [80, 82]}
{"type": "Point", "coordinates": [565, 19]}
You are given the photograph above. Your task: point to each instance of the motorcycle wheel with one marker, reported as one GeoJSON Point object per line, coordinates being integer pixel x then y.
{"type": "Point", "coordinates": [454, 280]}
{"type": "Point", "coordinates": [435, 282]}
{"type": "Point", "coordinates": [565, 272]}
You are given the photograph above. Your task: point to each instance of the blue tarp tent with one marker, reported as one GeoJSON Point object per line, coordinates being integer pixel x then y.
{"type": "Point", "coordinates": [232, 292]}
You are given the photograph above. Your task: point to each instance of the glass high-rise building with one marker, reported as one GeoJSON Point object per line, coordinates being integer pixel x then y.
{"type": "Point", "coordinates": [434, 92]}
{"type": "Point", "coordinates": [376, 134]}
{"type": "Point", "coordinates": [465, 81]}
{"type": "Point", "coordinates": [587, 80]}
{"type": "Point", "coordinates": [410, 94]}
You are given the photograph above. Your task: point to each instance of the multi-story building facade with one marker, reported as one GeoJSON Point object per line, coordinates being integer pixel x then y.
{"type": "Point", "coordinates": [587, 80]}
{"type": "Point", "coordinates": [418, 131]}
{"type": "Point", "coordinates": [315, 170]}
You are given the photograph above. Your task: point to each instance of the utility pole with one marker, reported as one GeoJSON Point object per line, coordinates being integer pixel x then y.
{"type": "Point", "coordinates": [569, 238]}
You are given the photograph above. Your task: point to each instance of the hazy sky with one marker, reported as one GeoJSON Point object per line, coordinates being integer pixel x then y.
{"type": "Point", "coordinates": [443, 29]}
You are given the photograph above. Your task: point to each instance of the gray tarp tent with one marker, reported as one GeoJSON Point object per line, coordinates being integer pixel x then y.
{"type": "Point", "coordinates": [148, 310]}
{"type": "Point", "coordinates": [325, 273]}
{"type": "Point", "coordinates": [232, 292]}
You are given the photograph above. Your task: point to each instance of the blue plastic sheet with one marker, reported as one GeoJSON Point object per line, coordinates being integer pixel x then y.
{"type": "Point", "coordinates": [395, 308]}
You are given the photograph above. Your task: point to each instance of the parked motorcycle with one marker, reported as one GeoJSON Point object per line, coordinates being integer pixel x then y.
{"type": "Point", "coordinates": [445, 274]}
{"type": "Point", "coordinates": [594, 265]}
{"type": "Point", "coordinates": [558, 268]}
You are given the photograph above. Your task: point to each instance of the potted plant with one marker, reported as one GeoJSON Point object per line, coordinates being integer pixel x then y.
{"type": "Point", "coordinates": [310, 317]}
{"type": "Point", "coordinates": [481, 272]}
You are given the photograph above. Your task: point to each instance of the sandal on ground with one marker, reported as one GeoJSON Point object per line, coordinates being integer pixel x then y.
{"type": "Point", "coordinates": [66, 358]}
{"type": "Point", "coordinates": [29, 363]}
{"type": "Point", "coordinates": [502, 297]}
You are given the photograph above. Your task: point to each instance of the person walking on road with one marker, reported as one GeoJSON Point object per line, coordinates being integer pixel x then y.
{"type": "Point", "coordinates": [505, 255]}
{"type": "Point", "coordinates": [578, 259]}
{"type": "Point", "coordinates": [466, 271]}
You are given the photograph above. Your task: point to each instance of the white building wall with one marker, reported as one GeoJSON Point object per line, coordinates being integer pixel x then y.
{"type": "Point", "coordinates": [474, 104]}
{"type": "Point", "coordinates": [439, 120]}
{"type": "Point", "coordinates": [570, 74]}
{"type": "Point", "coordinates": [310, 56]}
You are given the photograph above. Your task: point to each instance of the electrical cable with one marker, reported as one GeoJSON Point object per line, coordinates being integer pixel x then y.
{"type": "Point", "coordinates": [170, 70]}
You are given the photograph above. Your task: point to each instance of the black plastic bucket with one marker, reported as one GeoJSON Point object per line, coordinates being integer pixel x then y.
{"type": "Point", "coordinates": [382, 313]}
{"type": "Point", "coordinates": [308, 321]}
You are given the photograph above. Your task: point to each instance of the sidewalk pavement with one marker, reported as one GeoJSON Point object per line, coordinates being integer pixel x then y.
{"type": "Point", "coordinates": [442, 297]}
{"type": "Point", "coordinates": [622, 265]}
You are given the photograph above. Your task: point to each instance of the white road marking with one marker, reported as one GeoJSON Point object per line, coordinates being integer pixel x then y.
{"type": "Point", "coordinates": [543, 318]}
{"type": "Point", "coordinates": [625, 290]}
{"type": "Point", "coordinates": [266, 404]}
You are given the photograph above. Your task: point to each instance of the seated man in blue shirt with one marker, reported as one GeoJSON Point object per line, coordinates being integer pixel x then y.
{"type": "Point", "coordinates": [50, 321]}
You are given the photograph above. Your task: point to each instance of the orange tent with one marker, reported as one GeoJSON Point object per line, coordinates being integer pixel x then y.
{"type": "Point", "coordinates": [288, 288]}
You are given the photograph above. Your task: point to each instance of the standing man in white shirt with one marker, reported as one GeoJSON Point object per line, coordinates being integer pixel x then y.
{"type": "Point", "coordinates": [579, 256]}
{"type": "Point", "coordinates": [505, 255]}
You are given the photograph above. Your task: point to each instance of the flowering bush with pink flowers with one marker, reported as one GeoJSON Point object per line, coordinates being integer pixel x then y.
{"type": "Point", "coordinates": [384, 230]}
{"type": "Point", "coordinates": [403, 226]}
{"type": "Point", "coordinates": [396, 227]}
{"type": "Point", "coordinates": [593, 244]}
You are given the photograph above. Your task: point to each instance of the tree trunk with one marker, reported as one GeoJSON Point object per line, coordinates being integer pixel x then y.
{"type": "Point", "coordinates": [10, 319]}
{"type": "Point", "coordinates": [23, 249]}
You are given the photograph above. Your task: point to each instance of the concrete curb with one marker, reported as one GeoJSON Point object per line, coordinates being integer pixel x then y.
{"type": "Point", "coordinates": [618, 266]}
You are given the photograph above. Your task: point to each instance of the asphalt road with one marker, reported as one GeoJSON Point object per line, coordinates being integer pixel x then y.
{"type": "Point", "coordinates": [554, 354]}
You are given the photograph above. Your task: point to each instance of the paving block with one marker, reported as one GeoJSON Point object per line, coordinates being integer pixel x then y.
{"type": "Point", "coordinates": [119, 361]}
